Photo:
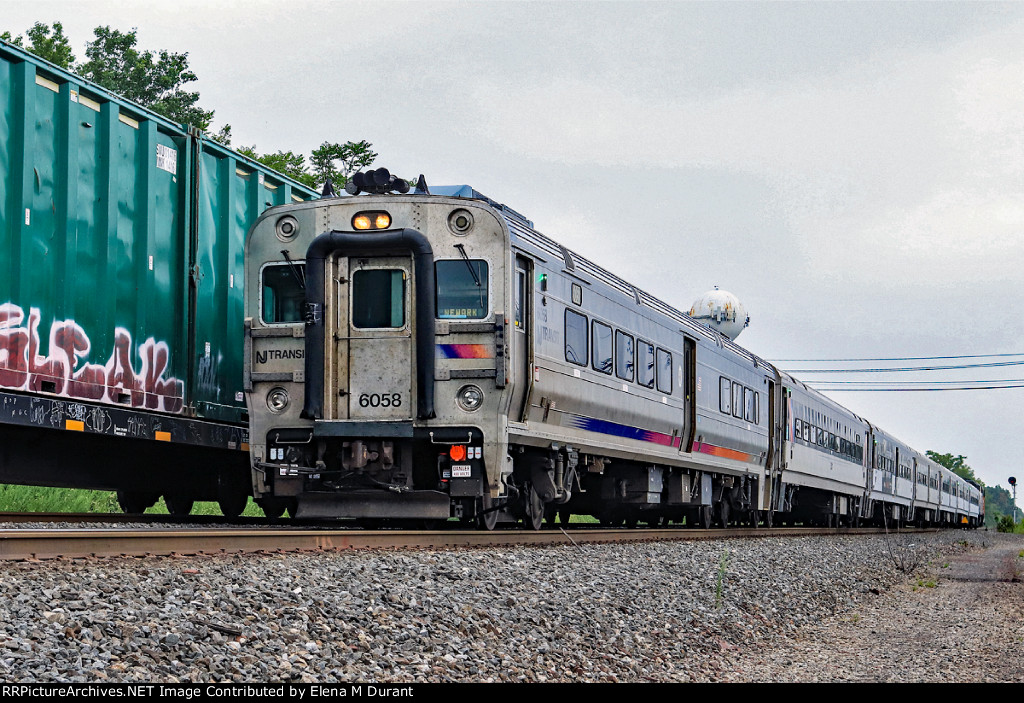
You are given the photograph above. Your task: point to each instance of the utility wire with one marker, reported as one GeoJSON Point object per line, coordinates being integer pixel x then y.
{"type": "Point", "coordinates": [908, 358]}
{"type": "Point", "coordinates": [912, 383]}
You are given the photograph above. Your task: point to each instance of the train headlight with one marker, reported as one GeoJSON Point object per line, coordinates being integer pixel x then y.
{"type": "Point", "coordinates": [277, 400]}
{"type": "Point", "coordinates": [371, 220]}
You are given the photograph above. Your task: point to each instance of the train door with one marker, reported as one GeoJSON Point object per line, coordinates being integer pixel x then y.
{"type": "Point", "coordinates": [522, 332]}
{"type": "Point", "coordinates": [889, 476]}
{"type": "Point", "coordinates": [772, 464]}
{"type": "Point", "coordinates": [869, 470]}
{"type": "Point", "coordinates": [689, 371]}
{"type": "Point", "coordinates": [915, 485]}
{"type": "Point", "coordinates": [374, 331]}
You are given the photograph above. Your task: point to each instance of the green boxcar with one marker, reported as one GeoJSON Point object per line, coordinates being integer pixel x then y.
{"type": "Point", "coordinates": [121, 244]}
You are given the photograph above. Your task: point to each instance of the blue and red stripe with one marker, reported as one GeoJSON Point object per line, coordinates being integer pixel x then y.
{"type": "Point", "coordinates": [615, 429]}
{"type": "Point", "coordinates": [465, 351]}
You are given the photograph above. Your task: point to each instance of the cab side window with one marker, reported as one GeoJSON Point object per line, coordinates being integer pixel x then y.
{"type": "Point", "coordinates": [283, 293]}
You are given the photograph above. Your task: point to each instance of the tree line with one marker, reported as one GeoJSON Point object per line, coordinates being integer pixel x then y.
{"type": "Point", "coordinates": [999, 507]}
{"type": "Point", "coordinates": [159, 81]}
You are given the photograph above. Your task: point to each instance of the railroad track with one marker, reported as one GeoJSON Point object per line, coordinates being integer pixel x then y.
{"type": "Point", "coordinates": [37, 544]}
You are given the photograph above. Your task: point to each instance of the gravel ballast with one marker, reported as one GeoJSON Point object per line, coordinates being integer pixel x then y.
{"type": "Point", "coordinates": [766, 609]}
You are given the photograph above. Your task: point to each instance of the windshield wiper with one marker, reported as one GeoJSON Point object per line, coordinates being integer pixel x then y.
{"type": "Point", "coordinates": [295, 270]}
{"type": "Point", "coordinates": [472, 271]}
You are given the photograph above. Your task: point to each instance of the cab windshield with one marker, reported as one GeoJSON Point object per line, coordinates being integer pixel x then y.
{"type": "Point", "coordinates": [461, 289]}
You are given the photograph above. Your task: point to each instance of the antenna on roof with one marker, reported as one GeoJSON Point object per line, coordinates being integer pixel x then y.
{"type": "Point", "coordinates": [421, 186]}
{"type": "Point", "coordinates": [328, 191]}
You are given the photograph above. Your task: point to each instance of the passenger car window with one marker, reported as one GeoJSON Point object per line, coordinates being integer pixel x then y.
{"type": "Point", "coordinates": [725, 394]}
{"type": "Point", "coordinates": [602, 360]}
{"type": "Point", "coordinates": [737, 400]}
{"type": "Point", "coordinates": [664, 371]}
{"type": "Point", "coordinates": [624, 356]}
{"type": "Point", "coordinates": [748, 405]}
{"type": "Point", "coordinates": [645, 365]}
{"type": "Point", "coordinates": [575, 338]}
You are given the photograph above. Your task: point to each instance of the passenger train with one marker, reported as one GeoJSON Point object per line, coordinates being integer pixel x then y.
{"type": "Point", "coordinates": [430, 354]}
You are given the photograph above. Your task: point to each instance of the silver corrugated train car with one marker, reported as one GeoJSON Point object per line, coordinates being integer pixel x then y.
{"type": "Point", "coordinates": [422, 356]}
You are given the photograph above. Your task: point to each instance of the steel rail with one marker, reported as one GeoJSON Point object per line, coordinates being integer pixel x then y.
{"type": "Point", "coordinates": [33, 544]}
{"type": "Point", "coordinates": [144, 518]}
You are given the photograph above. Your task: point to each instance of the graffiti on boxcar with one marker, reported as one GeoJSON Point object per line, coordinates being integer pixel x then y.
{"type": "Point", "coordinates": [64, 371]}
{"type": "Point", "coordinates": [206, 376]}
{"type": "Point", "coordinates": [40, 413]}
{"type": "Point", "coordinates": [136, 426]}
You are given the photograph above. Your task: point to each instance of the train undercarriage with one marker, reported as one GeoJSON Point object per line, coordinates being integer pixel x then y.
{"type": "Point", "coordinates": [437, 476]}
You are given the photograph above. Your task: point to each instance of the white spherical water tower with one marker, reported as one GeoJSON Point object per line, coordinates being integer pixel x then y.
{"type": "Point", "coordinates": [722, 311]}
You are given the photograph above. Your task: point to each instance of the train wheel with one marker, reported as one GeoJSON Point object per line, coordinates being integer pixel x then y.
{"type": "Point", "coordinates": [564, 515]}
{"type": "Point", "coordinates": [611, 518]}
{"type": "Point", "coordinates": [273, 508]}
{"type": "Point", "coordinates": [178, 506]}
{"type": "Point", "coordinates": [550, 515]}
{"type": "Point", "coordinates": [534, 518]}
{"type": "Point", "coordinates": [768, 518]}
{"type": "Point", "coordinates": [135, 502]}
{"type": "Point", "coordinates": [487, 519]}
{"type": "Point", "coordinates": [632, 521]}
{"type": "Point", "coordinates": [232, 506]}
{"type": "Point", "coordinates": [723, 513]}
{"type": "Point", "coordinates": [705, 517]}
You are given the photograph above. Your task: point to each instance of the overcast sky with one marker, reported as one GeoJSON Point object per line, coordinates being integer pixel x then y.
{"type": "Point", "coordinates": [853, 172]}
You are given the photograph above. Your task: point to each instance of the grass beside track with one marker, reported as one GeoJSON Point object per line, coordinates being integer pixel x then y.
{"type": "Point", "coordinates": [37, 499]}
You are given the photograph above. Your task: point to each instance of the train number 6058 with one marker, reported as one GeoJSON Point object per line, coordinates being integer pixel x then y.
{"type": "Point", "coordinates": [380, 400]}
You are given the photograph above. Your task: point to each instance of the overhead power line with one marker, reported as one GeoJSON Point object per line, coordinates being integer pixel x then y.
{"type": "Point", "coordinates": [911, 368]}
{"type": "Point", "coordinates": [904, 389]}
{"type": "Point", "coordinates": [961, 381]}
